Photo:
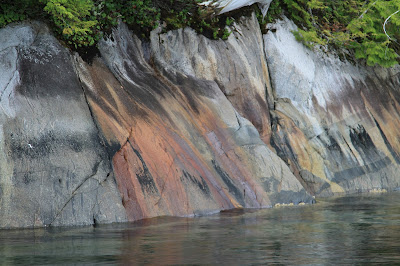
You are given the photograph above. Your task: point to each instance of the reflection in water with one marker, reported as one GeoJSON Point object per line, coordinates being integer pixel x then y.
{"type": "Point", "coordinates": [348, 230]}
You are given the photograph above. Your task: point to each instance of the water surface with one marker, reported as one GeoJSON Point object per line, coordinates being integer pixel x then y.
{"type": "Point", "coordinates": [362, 229]}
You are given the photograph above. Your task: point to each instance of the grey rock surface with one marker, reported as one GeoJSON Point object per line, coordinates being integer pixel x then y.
{"type": "Point", "coordinates": [77, 141]}
{"type": "Point", "coordinates": [53, 169]}
{"type": "Point", "coordinates": [237, 65]}
{"type": "Point", "coordinates": [335, 123]}
{"type": "Point", "coordinates": [184, 125]}
{"type": "Point", "coordinates": [181, 147]}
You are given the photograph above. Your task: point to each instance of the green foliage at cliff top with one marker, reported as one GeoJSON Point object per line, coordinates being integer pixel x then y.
{"type": "Point", "coordinates": [81, 23]}
{"type": "Point", "coordinates": [355, 25]}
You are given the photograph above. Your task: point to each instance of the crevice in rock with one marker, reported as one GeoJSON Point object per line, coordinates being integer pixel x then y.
{"type": "Point", "coordinates": [8, 84]}
{"type": "Point", "coordinates": [238, 120]}
{"type": "Point", "coordinates": [269, 98]}
{"type": "Point", "coordinates": [85, 97]}
{"type": "Point", "coordinates": [229, 183]}
{"type": "Point", "coordinates": [98, 129]}
{"type": "Point", "coordinates": [350, 149]}
{"type": "Point", "coordinates": [75, 191]}
{"type": "Point", "coordinates": [13, 76]}
{"type": "Point", "coordinates": [95, 223]}
{"type": "Point", "coordinates": [88, 54]}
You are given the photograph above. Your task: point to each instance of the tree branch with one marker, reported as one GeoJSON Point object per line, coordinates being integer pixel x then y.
{"type": "Point", "coordinates": [384, 24]}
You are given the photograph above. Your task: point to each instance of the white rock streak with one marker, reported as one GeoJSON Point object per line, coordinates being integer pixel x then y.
{"type": "Point", "coordinates": [229, 5]}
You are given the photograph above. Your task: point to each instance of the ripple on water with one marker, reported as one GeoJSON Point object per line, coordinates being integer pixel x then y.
{"type": "Point", "coordinates": [350, 230]}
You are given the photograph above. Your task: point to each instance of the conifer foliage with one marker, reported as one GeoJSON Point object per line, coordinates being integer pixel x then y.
{"type": "Point", "coordinates": [73, 20]}
{"type": "Point", "coordinates": [81, 23]}
{"type": "Point", "coordinates": [356, 25]}
{"type": "Point", "coordinates": [18, 10]}
{"type": "Point", "coordinates": [368, 29]}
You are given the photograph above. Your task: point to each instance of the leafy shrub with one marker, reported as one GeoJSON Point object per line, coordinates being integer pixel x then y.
{"type": "Point", "coordinates": [12, 11]}
{"type": "Point", "coordinates": [81, 23]}
{"type": "Point", "coordinates": [355, 25]}
{"type": "Point", "coordinates": [73, 20]}
{"type": "Point", "coordinates": [187, 13]}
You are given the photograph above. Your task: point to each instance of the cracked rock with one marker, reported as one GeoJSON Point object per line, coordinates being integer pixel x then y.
{"type": "Point", "coordinates": [53, 169]}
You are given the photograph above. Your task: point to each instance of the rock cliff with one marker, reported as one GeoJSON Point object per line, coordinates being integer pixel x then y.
{"type": "Point", "coordinates": [178, 145]}
{"type": "Point", "coordinates": [336, 124]}
{"type": "Point", "coordinates": [183, 125]}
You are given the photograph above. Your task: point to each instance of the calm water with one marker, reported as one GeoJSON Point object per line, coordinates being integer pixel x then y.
{"type": "Point", "coordinates": [363, 229]}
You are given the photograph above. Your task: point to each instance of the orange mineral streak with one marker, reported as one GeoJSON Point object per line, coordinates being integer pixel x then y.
{"type": "Point", "coordinates": [388, 120]}
{"type": "Point", "coordinates": [306, 156]}
{"type": "Point", "coordinates": [231, 158]}
{"type": "Point", "coordinates": [176, 156]}
{"type": "Point", "coordinates": [129, 187]}
{"type": "Point", "coordinates": [110, 126]}
{"type": "Point", "coordinates": [166, 155]}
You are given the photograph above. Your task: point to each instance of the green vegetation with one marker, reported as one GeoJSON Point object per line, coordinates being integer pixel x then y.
{"type": "Point", "coordinates": [11, 10]}
{"type": "Point", "coordinates": [81, 23]}
{"type": "Point", "coordinates": [187, 13]}
{"type": "Point", "coordinates": [354, 25]}
{"type": "Point", "coordinates": [73, 20]}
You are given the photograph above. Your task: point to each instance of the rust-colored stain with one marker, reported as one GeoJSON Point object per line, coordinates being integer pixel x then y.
{"type": "Point", "coordinates": [171, 154]}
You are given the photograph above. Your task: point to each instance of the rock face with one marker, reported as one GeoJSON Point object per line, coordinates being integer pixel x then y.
{"type": "Point", "coordinates": [236, 65]}
{"type": "Point", "coordinates": [53, 169]}
{"type": "Point", "coordinates": [335, 124]}
{"type": "Point", "coordinates": [183, 125]}
{"type": "Point", "coordinates": [134, 135]}
{"type": "Point", "coordinates": [178, 145]}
